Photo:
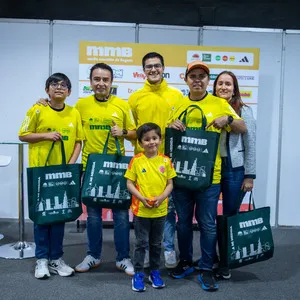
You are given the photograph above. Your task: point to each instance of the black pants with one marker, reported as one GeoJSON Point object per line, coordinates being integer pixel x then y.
{"type": "Point", "coordinates": [148, 231]}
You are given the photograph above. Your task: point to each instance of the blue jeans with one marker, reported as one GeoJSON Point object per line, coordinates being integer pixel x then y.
{"type": "Point", "coordinates": [206, 212]}
{"type": "Point", "coordinates": [49, 240]}
{"type": "Point", "coordinates": [231, 184]}
{"type": "Point", "coordinates": [121, 232]}
{"type": "Point", "coordinates": [170, 226]}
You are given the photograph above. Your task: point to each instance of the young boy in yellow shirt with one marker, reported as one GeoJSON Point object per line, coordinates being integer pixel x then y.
{"type": "Point", "coordinates": [149, 180]}
{"type": "Point", "coordinates": [41, 127]}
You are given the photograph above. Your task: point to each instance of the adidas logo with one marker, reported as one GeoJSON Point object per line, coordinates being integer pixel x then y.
{"type": "Point", "coordinates": [72, 183]}
{"type": "Point", "coordinates": [264, 228]}
{"type": "Point", "coordinates": [115, 114]}
{"type": "Point", "coordinates": [205, 151]}
{"type": "Point", "coordinates": [244, 59]}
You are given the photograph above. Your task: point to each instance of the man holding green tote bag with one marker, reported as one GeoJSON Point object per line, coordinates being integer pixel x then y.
{"type": "Point", "coordinates": [103, 113]}
{"type": "Point", "coordinates": [219, 115]}
{"type": "Point", "coordinates": [42, 126]}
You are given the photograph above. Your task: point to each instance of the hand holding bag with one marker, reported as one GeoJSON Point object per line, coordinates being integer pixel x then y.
{"type": "Point", "coordinates": [245, 237]}
{"type": "Point", "coordinates": [54, 191]}
{"type": "Point", "coordinates": [193, 153]}
{"type": "Point", "coordinates": [104, 184]}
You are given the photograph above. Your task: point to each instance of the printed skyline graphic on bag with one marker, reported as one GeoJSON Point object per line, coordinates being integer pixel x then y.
{"type": "Point", "coordinates": [104, 184]}
{"type": "Point", "coordinates": [54, 192]}
{"type": "Point", "coordinates": [116, 190]}
{"type": "Point", "coordinates": [243, 250]}
{"type": "Point", "coordinates": [246, 237]}
{"type": "Point", "coordinates": [193, 153]}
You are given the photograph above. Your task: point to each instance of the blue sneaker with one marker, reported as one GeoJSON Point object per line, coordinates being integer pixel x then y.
{"type": "Point", "coordinates": [138, 282]}
{"type": "Point", "coordinates": [183, 269]}
{"type": "Point", "coordinates": [155, 279]}
{"type": "Point", "coordinates": [208, 281]}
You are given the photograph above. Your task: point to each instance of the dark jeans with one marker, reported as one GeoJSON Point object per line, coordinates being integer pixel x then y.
{"type": "Point", "coordinates": [49, 240]}
{"type": "Point", "coordinates": [121, 232]}
{"type": "Point", "coordinates": [148, 232]}
{"type": "Point", "coordinates": [206, 211]}
{"type": "Point", "coordinates": [231, 184]}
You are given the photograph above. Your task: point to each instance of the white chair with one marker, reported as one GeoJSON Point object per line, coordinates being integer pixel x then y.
{"type": "Point", "coordinates": [4, 161]}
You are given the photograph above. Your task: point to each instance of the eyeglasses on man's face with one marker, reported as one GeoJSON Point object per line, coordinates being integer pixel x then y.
{"type": "Point", "coordinates": [155, 66]}
{"type": "Point", "coordinates": [56, 85]}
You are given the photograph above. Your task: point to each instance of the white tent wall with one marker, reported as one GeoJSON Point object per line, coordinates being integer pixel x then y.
{"type": "Point", "coordinates": [33, 49]}
{"type": "Point", "coordinates": [24, 66]}
{"type": "Point", "coordinates": [288, 210]}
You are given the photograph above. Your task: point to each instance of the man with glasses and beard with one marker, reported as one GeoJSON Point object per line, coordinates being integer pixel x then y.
{"type": "Point", "coordinates": [154, 103]}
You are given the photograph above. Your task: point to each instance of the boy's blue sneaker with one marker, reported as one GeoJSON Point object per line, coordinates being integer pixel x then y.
{"type": "Point", "coordinates": [138, 282]}
{"type": "Point", "coordinates": [208, 281]}
{"type": "Point", "coordinates": [155, 279]}
{"type": "Point", "coordinates": [183, 269]}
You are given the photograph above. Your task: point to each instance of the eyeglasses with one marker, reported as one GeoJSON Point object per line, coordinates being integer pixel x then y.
{"type": "Point", "coordinates": [155, 66]}
{"type": "Point", "coordinates": [62, 85]}
{"type": "Point", "coordinates": [200, 76]}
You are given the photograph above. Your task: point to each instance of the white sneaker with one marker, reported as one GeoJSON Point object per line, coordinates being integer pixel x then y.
{"type": "Point", "coordinates": [125, 265]}
{"type": "Point", "coordinates": [88, 263]}
{"type": "Point", "coordinates": [147, 259]}
{"type": "Point", "coordinates": [170, 259]}
{"type": "Point", "coordinates": [41, 269]}
{"type": "Point", "coordinates": [58, 266]}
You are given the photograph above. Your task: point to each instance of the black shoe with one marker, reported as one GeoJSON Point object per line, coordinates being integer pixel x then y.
{"type": "Point", "coordinates": [223, 273]}
{"type": "Point", "coordinates": [183, 269]}
{"type": "Point", "coordinates": [208, 281]}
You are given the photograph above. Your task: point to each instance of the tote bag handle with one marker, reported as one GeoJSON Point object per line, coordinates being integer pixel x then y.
{"type": "Point", "coordinates": [63, 153]}
{"type": "Point", "coordinates": [116, 142]}
{"type": "Point", "coordinates": [183, 115]}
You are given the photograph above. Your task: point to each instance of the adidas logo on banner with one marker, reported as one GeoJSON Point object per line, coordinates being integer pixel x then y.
{"type": "Point", "coordinates": [264, 228]}
{"type": "Point", "coordinates": [244, 59]}
{"type": "Point", "coordinates": [72, 183]}
{"type": "Point", "coordinates": [205, 151]}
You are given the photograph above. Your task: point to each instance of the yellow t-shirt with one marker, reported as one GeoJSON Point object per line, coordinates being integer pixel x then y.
{"type": "Point", "coordinates": [212, 107]}
{"type": "Point", "coordinates": [97, 120]}
{"type": "Point", "coordinates": [153, 103]}
{"type": "Point", "coordinates": [151, 176]}
{"type": "Point", "coordinates": [41, 119]}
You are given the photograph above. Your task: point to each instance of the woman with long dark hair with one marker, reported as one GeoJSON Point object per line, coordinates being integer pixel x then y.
{"type": "Point", "coordinates": [237, 151]}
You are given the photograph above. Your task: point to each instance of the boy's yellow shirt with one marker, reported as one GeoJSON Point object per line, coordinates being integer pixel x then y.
{"type": "Point", "coordinates": [150, 176]}
{"type": "Point", "coordinates": [41, 119]}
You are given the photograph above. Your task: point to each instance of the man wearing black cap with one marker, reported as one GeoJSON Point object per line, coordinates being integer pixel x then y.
{"type": "Point", "coordinates": [219, 115]}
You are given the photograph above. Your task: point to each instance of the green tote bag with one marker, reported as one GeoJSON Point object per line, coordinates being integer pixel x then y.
{"type": "Point", "coordinates": [193, 153]}
{"type": "Point", "coordinates": [54, 191]}
{"type": "Point", "coordinates": [104, 184]}
{"type": "Point", "coordinates": [245, 237]}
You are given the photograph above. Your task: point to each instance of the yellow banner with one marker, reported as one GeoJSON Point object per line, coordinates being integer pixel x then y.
{"type": "Point", "coordinates": [131, 54]}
